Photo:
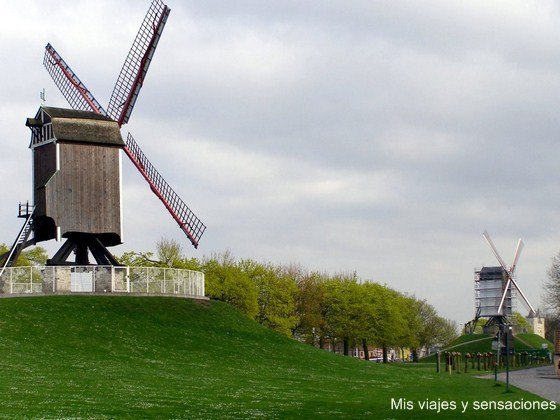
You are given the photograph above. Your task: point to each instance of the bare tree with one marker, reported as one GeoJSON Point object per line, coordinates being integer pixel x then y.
{"type": "Point", "coordinates": [169, 251]}
{"type": "Point", "coordinates": [551, 295]}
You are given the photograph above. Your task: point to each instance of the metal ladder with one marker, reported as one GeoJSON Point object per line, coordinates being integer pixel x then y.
{"type": "Point", "coordinates": [25, 211]}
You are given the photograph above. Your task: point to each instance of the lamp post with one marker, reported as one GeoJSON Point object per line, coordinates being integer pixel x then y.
{"type": "Point", "coordinates": [498, 351]}
{"type": "Point", "coordinates": [508, 331]}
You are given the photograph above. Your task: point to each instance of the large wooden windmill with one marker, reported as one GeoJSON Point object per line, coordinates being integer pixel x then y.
{"type": "Point", "coordinates": [77, 160]}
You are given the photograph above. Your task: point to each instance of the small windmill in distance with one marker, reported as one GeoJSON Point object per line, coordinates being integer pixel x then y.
{"type": "Point", "coordinates": [77, 161]}
{"type": "Point", "coordinates": [496, 290]}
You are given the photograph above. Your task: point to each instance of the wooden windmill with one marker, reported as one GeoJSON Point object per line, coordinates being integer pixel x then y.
{"type": "Point", "coordinates": [77, 160]}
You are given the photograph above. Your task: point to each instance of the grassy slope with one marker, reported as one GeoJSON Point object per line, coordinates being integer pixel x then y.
{"type": "Point", "coordinates": [135, 357]}
{"type": "Point", "coordinates": [529, 342]}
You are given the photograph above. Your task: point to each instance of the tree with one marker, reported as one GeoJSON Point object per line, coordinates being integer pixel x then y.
{"type": "Point", "coordinates": [228, 283]}
{"type": "Point", "coordinates": [447, 332]}
{"type": "Point", "coordinates": [169, 252]}
{"type": "Point", "coordinates": [310, 308]}
{"type": "Point", "coordinates": [139, 259]}
{"type": "Point", "coordinates": [551, 295]}
{"type": "Point", "coordinates": [552, 323]}
{"type": "Point", "coordinates": [521, 323]}
{"type": "Point", "coordinates": [276, 295]}
{"type": "Point", "coordinates": [395, 322]}
{"type": "Point", "coordinates": [31, 257]}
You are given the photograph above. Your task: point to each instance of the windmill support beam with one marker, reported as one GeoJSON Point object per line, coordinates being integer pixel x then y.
{"type": "Point", "coordinates": [82, 245]}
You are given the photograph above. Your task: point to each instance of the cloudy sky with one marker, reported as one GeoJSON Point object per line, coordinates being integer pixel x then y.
{"type": "Point", "coordinates": [381, 137]}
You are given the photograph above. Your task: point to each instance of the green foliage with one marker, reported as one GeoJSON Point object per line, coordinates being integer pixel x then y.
{"type": "Point", "coordinates": [228, 283]}
{"type": "Point", "coordinates": [134, 259]}
{"type": "Point", "coordinates": [431, 329]}
{"type": "Point", "coordinates": [169, 252]}
{"type": "Point", "coordinates": [96, 357]}
{"type": "Point", "coordinates": [276, 296]}
{"type": "Point", "coordinates": [35, 256]}
{"type": "Point", "coordinates": [343, 304]}
{"type": "Point", "coordinates": [521, 323]}
{"type": "Point", "coordinates": [312, 307]}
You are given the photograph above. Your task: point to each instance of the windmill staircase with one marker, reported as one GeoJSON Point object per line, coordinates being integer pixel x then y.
{"type": "Point", "coordinates": [22, 241]}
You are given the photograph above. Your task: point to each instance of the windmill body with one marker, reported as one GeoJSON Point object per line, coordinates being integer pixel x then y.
{"type": "Point", "coordinates": [76, 178]}
{"type": "Point", "coordinates": [490, 286]}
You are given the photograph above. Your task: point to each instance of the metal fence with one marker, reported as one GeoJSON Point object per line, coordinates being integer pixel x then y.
{"type": "Point", "coordinates": [101, 279]}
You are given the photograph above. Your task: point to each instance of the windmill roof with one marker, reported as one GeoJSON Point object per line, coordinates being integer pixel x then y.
{"type": "Point", "coordinates": [71, 125]}
{"type": "Point", "coordinates": [497, 269]}
{"type": "Point", "coordinates": [73, 113]}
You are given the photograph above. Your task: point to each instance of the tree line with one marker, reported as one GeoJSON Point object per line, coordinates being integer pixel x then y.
{"type": "Point", "coordinates": [313, 307]}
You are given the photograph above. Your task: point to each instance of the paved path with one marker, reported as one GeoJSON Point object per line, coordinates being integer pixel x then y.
{"type": "Point", "coordinates": [541, 381]}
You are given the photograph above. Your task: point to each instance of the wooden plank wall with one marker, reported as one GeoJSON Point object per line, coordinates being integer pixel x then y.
{"type": "Point", "coordinates": [84, 196]}
{"type": "Point", "coordinates": [44, 167]}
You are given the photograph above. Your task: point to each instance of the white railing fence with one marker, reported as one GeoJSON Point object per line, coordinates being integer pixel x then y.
{"type": "Point", "coordinates": [101, 279]}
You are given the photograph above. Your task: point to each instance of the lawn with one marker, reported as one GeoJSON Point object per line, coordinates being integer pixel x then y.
{"type": "Point", "coordinates": [164, 357]}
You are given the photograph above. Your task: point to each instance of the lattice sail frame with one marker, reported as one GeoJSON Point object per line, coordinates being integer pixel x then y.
{"type": "Point", "coordinates": [183, 215]}
{"type": "Point", "coordinates": [128, 85]}
{"type": "Point", "coordinates": [137, 63]}
{"type": "Point", "coordinates": [71, 87]}
{"type": "Point", "coordinates": [509, 272]}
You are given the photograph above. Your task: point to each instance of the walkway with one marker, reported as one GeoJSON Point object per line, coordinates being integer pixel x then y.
{"type": "Point", "coordinates": [541, 381]}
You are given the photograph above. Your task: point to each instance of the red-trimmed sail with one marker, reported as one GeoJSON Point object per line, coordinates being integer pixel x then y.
{"type": "Point", "coordinates": [75, 92]}
{"type": "Point", "coordinates": [120, 107]}
{"type": "Point", "coordinates": [187, 220]}
{"type": "Point", "coordinates": [136, 65]}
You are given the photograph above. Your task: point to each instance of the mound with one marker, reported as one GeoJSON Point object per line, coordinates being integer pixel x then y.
{"type": "Point", "coordinates": [164, 357]}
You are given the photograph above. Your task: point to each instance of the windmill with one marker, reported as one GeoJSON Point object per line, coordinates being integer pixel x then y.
{"type": "Point", "coordinates": [76, 160]}
{"type": "Point", "coordinates": [497, 288]}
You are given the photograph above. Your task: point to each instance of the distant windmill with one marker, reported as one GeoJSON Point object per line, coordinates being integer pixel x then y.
{"type": "Point", "coordinates": [497, 288]}
{"type": "Point", "coordinates": [76, 160]}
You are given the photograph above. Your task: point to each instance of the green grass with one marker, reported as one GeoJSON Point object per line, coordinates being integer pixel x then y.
{"type": "Point", "coordinates": [145, 357]}
{"type": "Point", "coordinates": [528, 342]}
{"type": "Point", "coordinates": [482, 343]}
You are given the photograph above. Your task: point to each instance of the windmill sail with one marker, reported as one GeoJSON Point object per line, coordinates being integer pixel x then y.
{"type": "Point", "coordinates": [75, 92]}
{"type": "Point", "coordinates": [120, 107]}
{"type": "Point", "coordinates": [188, 222]}
{"type": "Point", "coordinates": [510, 280]}
{"type": "Point", "coordinates": [136, 65]}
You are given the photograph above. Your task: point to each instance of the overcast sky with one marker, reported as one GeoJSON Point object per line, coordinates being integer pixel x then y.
{"type": "Point", "coordinates": [381, 137]}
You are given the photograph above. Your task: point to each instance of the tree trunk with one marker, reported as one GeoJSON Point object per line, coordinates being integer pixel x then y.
{"type": "Point", "coordinates": [321, 343]}
{"type": "Point", "coordinates": [414, 356]}
{"type": "Point", "coordinates": [366, 352]}
{"type": "Point", "coordinates": [385, 359]}
{"type": "Point", "coordinates": [345, 341]}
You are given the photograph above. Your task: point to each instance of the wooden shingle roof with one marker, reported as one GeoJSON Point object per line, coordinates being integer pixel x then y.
{"type": "Point", "coordinates": [71, 125]}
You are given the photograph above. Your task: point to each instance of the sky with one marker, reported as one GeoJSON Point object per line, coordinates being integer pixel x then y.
{"type": "Point", "coordinates": [376, 137]}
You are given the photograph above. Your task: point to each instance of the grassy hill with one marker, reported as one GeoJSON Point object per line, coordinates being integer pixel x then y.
{"type": "Point", "coordinates": [141, 357]}
{"type": "Point", "coordinates": [481, 343]}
